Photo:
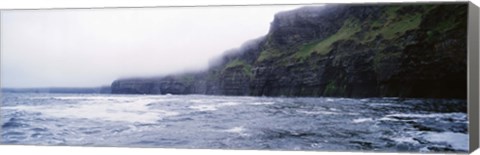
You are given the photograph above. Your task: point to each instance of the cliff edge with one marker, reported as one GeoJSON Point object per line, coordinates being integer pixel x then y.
{"type": "Point", "coordinates": [394, 50]}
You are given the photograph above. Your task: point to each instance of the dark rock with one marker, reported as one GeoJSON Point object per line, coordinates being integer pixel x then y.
{"type": "Point", "coordinates": [415, 50]}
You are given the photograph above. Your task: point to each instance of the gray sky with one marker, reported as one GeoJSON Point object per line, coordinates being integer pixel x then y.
{"type": "Point", "coordinates": [93, 47]}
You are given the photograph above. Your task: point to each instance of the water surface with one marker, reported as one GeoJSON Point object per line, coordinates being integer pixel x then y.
{"type": "Point", "coordinates": [220, 122]}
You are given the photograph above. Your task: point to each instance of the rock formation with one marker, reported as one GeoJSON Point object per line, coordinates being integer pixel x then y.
{"type": "Point", "coordinates": [397, 50]}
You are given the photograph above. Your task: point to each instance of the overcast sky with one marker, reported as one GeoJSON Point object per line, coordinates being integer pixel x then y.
{"type": "Point", "coordinates": [93, 47]}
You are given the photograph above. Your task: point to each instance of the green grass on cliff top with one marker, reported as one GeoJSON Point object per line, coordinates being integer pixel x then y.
{"type": "Point", "coordinates": [395, 24]}
{"type": "Point", "coordinates": [349, 28]}
{"type": "Point", "coordinates": [235, 63]}
{"type": "Point", "coordinates": [268, 54]}
{"type": "Point", "coordinates": [390, 25]}
{"type": "Point", "coordinates": [406, 23]}
{"type": "Point", "coordinates": [247, 68]}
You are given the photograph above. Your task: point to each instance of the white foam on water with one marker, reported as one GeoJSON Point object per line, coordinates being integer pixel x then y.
{"type": "Point", "coordinates": [330, 100]}
{"type": "Point", "coordinates": [405, 140]}
{"type": "Point", "coordinates": [387, 119]}
{"type": "Point", "coordinates": [424, 149]}
{"type": "Point", "coordinates": [239, 129]}
{"type": "Point", "coordinates": [261, 103]}
{"type": "Point", "coordinates": [213, 107]}
{"type": "Point", "coordinates": [361, 120]}
{"type": "Point", "coordinates": [103, 109]}
{"type": "Point", "coordinates": [204, 107]}
{"type": "Point", "coordinates": [334, 109]}
{"type": "Point", "coordinates": [91, 98]}
{"type": "Point", "coordinates": [458, 141]}
{"type": "Point", "coordinates": [364, 99]}
{"type": "Point", "coordinates": [229, 104]}
{"type": "Point", "coordinates": [388, 105]}
{"type": "Point", "coordinates": [434, 115]}
{"type": "Point", "coordinates": [198, 101]}
{"type": "Point", "coordinates": [317, 112]}
{"type": "Point", "coordinates": [454, 116]}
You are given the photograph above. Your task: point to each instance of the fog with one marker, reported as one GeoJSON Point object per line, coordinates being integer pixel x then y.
{"type": "Point", "coordinates": [93, 47]}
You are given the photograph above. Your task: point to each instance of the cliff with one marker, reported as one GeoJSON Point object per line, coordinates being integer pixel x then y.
{"type": "Point", "coordinates": [414, 50]}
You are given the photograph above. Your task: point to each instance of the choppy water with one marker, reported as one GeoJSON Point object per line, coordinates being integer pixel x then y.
{"type": "Point", "coordinates": [198, 121]}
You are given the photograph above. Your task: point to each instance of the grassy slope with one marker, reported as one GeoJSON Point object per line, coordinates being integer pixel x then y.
{"type": "Point", "coordinates": [349, 28]}
{"type": "Point", "coordinates": [390, 26]}
{"type": "Point", "coordinates": [247, 68]}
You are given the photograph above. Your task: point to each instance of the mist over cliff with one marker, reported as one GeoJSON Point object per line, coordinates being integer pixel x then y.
{"type": "Point", "coordinates": [399, 50]}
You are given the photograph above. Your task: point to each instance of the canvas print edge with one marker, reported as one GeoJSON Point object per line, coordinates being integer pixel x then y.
{"type": "Point", "coordinates": [472, 89]}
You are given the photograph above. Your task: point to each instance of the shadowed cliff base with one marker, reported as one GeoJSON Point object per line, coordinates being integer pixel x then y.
{"type": "Point", "coordinates": [385, 50]}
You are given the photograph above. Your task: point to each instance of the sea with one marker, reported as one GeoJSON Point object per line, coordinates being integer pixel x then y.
{"type": "Point", "coordinates": [235, 122]}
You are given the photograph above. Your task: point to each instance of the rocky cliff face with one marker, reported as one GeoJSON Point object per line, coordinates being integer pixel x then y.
{"type": "Point", "coordinates": [416, 50]}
